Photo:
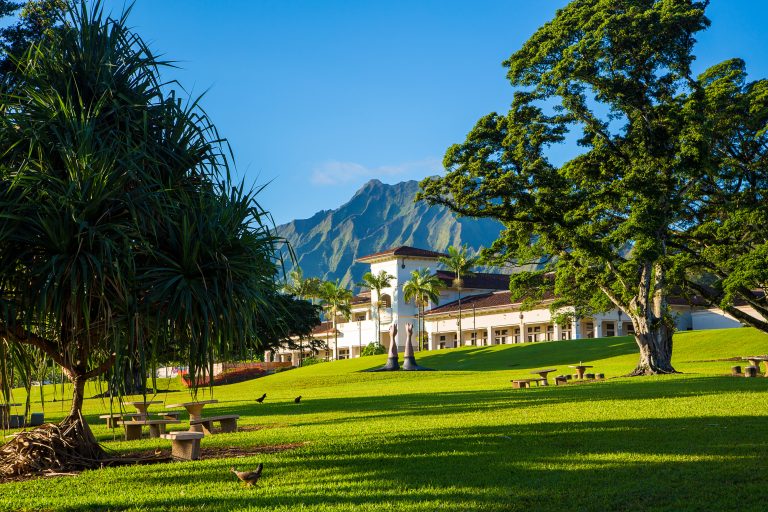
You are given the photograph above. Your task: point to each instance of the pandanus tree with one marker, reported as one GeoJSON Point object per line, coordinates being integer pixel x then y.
{"type": "Point", "coordinates": [376, 283]}
{"type": "Point", "coordinates": [460, 263]}
{"type": "Point", "coordinates": [122, 237]}
{"type": "Point", "coordinates": [335, 300]}
{"type": "Point", "coordinates": [422, 288]}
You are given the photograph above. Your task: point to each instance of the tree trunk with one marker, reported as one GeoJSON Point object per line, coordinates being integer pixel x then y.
{"type": "Point", "coordinates": [655, 346]}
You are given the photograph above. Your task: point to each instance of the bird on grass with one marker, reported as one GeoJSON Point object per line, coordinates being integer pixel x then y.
{"type": "Point", "coordinates": [261, 399]}
{"type": "Point", "coordinates": [297, 399]}
{"type": "Point", "coordinates": [248, 477]}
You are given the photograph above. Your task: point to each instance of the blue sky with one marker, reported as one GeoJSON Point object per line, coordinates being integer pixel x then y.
{"type": "Point", "coordinates": [318, 97]}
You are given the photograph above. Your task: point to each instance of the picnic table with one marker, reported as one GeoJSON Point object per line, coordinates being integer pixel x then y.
{"type": "Point", "coordinates": [756, 360]}
{"type": "Point", "coordinates": [543, 375]}
{"type": "Point", "coordinates": [141, 406]}
{"type": "Point", "coordinates": [195, 410]}
{"type": "Point", "coordinates": [580, 368]}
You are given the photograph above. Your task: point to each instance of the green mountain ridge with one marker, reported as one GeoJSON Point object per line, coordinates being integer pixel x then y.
{"type": "Point", "coordinates": [378, 217]}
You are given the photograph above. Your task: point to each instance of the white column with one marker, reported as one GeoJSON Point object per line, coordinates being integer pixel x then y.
{"type": "Point", "coordinates": [523, 334]}
{"type": "Point", "coordinates": [576, 329]}
{"type": "Point", "coordinates": [489, 335]}
{"type": "Point", "coordinates": [619, 328]}
{"type": "Point", "coordinates": [598, 327]}
{"type": "Point", "coordinates": [556, 331]}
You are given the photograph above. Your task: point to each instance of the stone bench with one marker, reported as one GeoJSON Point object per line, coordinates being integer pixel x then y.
{"type": "Point", "coordinates": [169, 415]}
{"type": "Point", "coordinates": [560, 380]}
{"type": "Point", "coordinates": [185, 445]}
{"type": "Point", "coordinates": [228, 423]}
{"type": "Point", "coordinates": [133, 427]}
{"type": "Point", "coordinates": [112, 419]}
{"type": "Point", "coordinates": [522, 383]}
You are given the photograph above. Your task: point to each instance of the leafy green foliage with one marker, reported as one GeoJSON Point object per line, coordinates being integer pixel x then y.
{"type": "Point", "coordinates": [376, 283]}
{"type": "Point", "coordinates": [605, 228]}
{"type": "Point", "coordinates": [123, 240]}
{"type": "Point", "coordinates": [309, 361]}
{"type": "Point", "coordinates": [374, 349]}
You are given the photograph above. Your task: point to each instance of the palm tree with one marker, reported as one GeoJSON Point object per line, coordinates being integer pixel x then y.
{"type": "Point", "coordinates": [460, 264]}
{"type": "Point", "coordinates": [123, 241]}
{"type": "Point", "coordinates": [377, 282]}
{"type": "Point", "coordinates": [335, 301]}
{"type": "Point", "coordinates": [422, 288]}
{"type": "Point", "coordinates": [305, 289]}
{"type": "Point", "coordinates": [301, 287]}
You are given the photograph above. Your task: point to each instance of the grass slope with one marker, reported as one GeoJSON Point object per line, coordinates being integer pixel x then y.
{"type": "Point", "coordinates": [462, 439]}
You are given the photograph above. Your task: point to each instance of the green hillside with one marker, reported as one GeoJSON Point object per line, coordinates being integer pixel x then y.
{"type": "Point", "coordinates": [461, 438]}
{"type": "Point", "coordinates": [378, 217]}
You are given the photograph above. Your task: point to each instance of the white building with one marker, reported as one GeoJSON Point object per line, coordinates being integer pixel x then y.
{"type": "Point", "coordinates": [488, 316]}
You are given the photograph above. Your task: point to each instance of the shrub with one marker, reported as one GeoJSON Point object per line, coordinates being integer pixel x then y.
{"type": "Point", "coordinates": [373, 349]}
{"type": "Point", "coordinates": [309, 361]}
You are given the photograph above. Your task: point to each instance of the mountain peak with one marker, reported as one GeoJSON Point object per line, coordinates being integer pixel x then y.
{"type": "Point", "coordinates": [378, 217]}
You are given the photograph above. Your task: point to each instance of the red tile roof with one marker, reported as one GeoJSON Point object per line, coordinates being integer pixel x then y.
{"type": "Point", "coordinates": [481, 301]}
{"type": "Point", "coordinates": [479, 280]}
{"type": "Point", "coordinates": [323, 328]}
{"type": "Point", "coordinates": [361, 298]}
{"type": "Point", "coordinates": [403, 250]}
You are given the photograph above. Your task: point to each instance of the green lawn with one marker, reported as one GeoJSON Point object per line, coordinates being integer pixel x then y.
{"type": "Point", "coordinates": [462, 439]}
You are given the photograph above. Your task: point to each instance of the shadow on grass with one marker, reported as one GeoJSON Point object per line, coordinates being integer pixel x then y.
{"type": "Point", "coordinates": [640, 464]}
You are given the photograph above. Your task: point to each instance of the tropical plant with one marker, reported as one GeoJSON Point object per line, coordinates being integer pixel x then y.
{"type": "Point", "coordinates": [461, 265]}
{"type": "Point", "coordinates": [122, 239]}
{"type": "Point", "coordinates": [374, 348]}
{"type": "Point", "coordinates": [377, 282]}
{"type": "Point", "coordinates": [301, 287]}
{"type": "Point", "coordinates": [335, 300]}
{"type": "Point", "coordinates": [608, 222]}
{"type": "Point", "coordinates": [422, 288]}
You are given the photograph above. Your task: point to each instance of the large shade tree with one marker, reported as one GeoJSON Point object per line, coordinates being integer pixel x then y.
{"type": "Point", "coordinates": [616, 75]}
{"type": "Point", "coordinates": [122, 238]}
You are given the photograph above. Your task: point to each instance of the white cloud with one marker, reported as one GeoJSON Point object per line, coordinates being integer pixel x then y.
{"type": "Point", "coordinates": [335, 172]}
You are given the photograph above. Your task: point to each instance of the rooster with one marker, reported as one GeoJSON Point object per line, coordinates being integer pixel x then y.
{"type": "Point", "coordinates": [248, 477]}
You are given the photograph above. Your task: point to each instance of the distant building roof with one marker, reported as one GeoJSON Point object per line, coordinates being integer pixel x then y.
{"type": "Point", "coordinates": [323, 328]}
{"type": "Point", "coordinates": [361, 298]}
{"type": "Point", "coordinates": [491, 300]}
{"type": "Point", "coordinates": [478, 280]}
{"type": "Point", "coordinates": [403, 250]}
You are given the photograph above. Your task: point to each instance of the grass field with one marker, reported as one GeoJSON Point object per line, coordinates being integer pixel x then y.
{"type": "Point", "coordinates": [461, 438]}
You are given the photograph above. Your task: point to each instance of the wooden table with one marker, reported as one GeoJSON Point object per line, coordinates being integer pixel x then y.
{"type": "Point", "coordinates": [580, 369]}
{"type": "Point", "coordinates": [756, 360]}
{"type": "Point", "coordinates": [195, 410]}
{"type": "Point", "coordinates": [543, 375]}
{"type": "Point", "coordinates": [142, 406]}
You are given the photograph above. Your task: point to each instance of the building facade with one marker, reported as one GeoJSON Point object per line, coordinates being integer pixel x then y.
{"type": "Point", "coordinates": [488, 315]}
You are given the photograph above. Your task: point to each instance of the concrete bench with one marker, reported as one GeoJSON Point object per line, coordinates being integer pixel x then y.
{"type": "Point", "coordinates": [133, 427]}
{"type": "Point", "coordinates": [112, 419]}
{"type": "Point", "coordinates": [228, 423]}
{"type": "Point", "coordinates": [36, 419]}
{"type": "Point", "coordinates": [185, 445]}
{"type": "Point", "coordinates": [522, 383]}
{"type": "Point", "coordinates": [560, 380]}
{"type": "Point", "coordinates": [169, 415]}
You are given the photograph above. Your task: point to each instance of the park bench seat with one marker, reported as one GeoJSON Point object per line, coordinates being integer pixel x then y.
{"type": "Point", "coordinates": [522, 383]}
{"type": "Point", "coordinates": [170, 415]}
{"type": "Point", "coordinates": [112, 419]}
{"type": "Point", "coordinates": [228, 423]}
{"type": "Point", "coordinates": [133, 427]}
{"type": "Point", "coordinates": [184, 445]}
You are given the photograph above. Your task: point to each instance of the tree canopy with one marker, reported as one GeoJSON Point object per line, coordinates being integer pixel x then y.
{"type": "Point", "coordinates": [611, 222]}
{"type": "Point", "coordinates": [122, 235]}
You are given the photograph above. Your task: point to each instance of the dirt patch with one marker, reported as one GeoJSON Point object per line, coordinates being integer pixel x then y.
{"type": "Point", "coordinates": [162, 456]}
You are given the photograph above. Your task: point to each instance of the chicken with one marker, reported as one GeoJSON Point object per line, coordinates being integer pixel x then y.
{"type": "Point", "coordinates": [261, 399]}
{"type": "Point", "coordinates": [249, 477]}
{"type": "Point", "coordinates": [297, 399]}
